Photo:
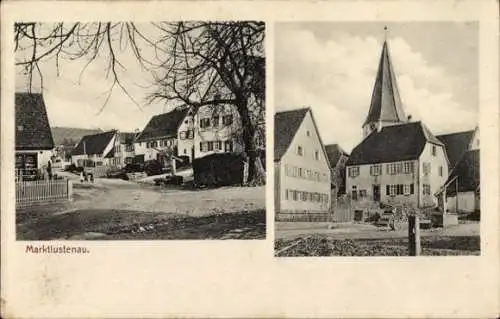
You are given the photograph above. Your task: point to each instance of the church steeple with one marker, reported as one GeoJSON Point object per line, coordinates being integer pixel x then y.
{"type": "Point", "coordinates": [386, 107]}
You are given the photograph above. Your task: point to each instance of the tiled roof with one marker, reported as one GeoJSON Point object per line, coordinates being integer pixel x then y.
{"type": "Point", "coordinates": [393, 143]}
{"type": "Point", "coordinates": [93, 144]}
{"type": "Point", "coordinates": [456, 145]}
{"type": "Point", "coordinates": [32, 123]}
{"type": "Point", "coordinates": [386, 103]}
{"type": "Point", "coordinates": [334, 152]}
{"type": "Point", "coordinates": [468, 172]}
{"type": "Point", "coordinates": [163, 126]}
{"type": "Point", "coordinates": [286, 124]}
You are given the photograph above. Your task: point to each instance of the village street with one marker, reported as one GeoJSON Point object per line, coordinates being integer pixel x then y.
{"type": "Point", "coordinates": [118, 209]}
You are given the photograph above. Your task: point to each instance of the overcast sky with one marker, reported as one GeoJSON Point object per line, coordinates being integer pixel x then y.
{"type": "Point", "coordinates": [331, 67]}
{"type": "Point", "coordinates": [75, 103]}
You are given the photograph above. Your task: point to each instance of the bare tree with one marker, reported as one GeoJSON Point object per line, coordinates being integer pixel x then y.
{"type": "Point", "coordinates": [217, 63]}
{"type": "Point", "coordinates": [195, 63]}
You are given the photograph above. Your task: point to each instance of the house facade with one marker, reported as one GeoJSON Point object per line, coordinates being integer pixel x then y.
{"type": "Point", "coordinates": [217, 129]}
{"type": "Point", "coordinates": [302, 171]}
{"type": "Point", "coordinates": [34, 142]}
{"type": "Point", "coordinates": [398, 161]}
{"type": "Point", "coordinates": [124, 149]}
{"type": "Point", "coordinates": [161, 135]}
{"type": "Point", "coordinates": [95, 150]}
{"type": "Point", "coordinates": [463, 185]}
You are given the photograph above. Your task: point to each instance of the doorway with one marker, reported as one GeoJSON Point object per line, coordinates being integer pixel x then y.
{"type": "Point", "coordinates": [376, 193]}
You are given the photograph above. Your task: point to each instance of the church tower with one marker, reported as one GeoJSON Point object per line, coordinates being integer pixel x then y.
{"type": "Point", "coordinates": [386, 107]}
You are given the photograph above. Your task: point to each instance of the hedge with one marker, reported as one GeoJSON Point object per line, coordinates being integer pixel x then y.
{"type": "Point", "coordinates": [223, 169]}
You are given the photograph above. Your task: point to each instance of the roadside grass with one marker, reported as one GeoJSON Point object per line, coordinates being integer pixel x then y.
{"type": "Point", "coordinates": [43, 224]}
{"type": "Point", "coordinates": [322, 245]}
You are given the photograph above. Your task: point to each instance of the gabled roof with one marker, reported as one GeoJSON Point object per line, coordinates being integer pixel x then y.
{"type": "Point", "coordinates": [334, 152]}
{"type": "Point", "coordinates": [386, 103]}
{"type": "Point", "coordinates": [163, 125]}
{"type": "Point", "coordinates": [392, 144]}
{"type": "Point", "coordinates": [456, 145]}
{"type": "Point", "coordinates": [286, 124]}
{"type": "Point", "coordinates": [468, 172]}
{"type": "Point", "coordinates": [93, 144]}
{"type": "Point", "coordinates": [32, 123]}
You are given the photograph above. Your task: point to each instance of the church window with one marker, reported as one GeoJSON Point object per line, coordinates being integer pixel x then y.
{"type": "Point", "coordinates": [353, 171]}
{"type": "Point", "coordinates": [316, 155]}
{"type": "Point", "coordinates": [433, 150]}
{"type": "Point", "coordinates": [440, 170]}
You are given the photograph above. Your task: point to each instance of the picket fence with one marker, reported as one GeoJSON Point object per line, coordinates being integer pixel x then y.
{"type": "Point", "coordinates": [29, 193]}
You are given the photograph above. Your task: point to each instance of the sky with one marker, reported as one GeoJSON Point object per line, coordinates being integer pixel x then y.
{"type": "Point", "coordinates": [331, 68]}
{"type": "Point", "coordinates": [72, 101]}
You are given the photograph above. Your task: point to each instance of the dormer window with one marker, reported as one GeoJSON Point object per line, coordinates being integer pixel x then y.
{"type": "Point", "coordinates": [20, 128]}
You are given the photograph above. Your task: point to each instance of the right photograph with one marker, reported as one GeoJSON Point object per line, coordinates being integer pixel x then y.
{"type": "Point", "coordinates": [376, 139]}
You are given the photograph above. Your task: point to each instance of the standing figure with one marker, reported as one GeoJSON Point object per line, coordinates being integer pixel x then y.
{"type": "Point", "coordinates": [81, 177]}
{"type": "Point", "coordinates": [49, 169]}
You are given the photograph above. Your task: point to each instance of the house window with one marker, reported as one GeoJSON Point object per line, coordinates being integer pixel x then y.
{"type": "Point", "coordinates": [433, 150]}
{"type": "Point", "coordinates": [354, 193]}
{"type": "Point", "coordinates": [426, 189]}
{"type": "Point", "coordinates": [228, 146]}
{"type": "Point", "coordinates": [308, 133]}
{"type": "Point", "coordinates": [190, 134]}
{"type": "Point", "coordinates": [218, 145]}
{"type": "Point", "coordinates": [440, 170]}
{"type": "Point", "coordinates": [155, 144]}
{"type": "Point", "coordinates": [210, 146]}
{"type": "Point", "coordinates": [375, 170]}
{"type": "Point", "coordinates": [316, 155]}
{"type": "Point", "coordinates": [300, 151]}
{"type": "Point", "coordinates": [227, 119]}
{"type": "Point", "coordinates": [406, 189]}
{"type": "Point", "coordinates": [304, 196]}
{"type": "Point", "coordinates": [353, 171]}
{"type": "Point", "coordinates": [129, 148]}
{"type": "Point", "coordinates": [300, 171]}
{"type": "Point", "coordinates": [408, 167]}
{"type": "Point", "coordinates": [394, 168]}
{"type": "Point", "coordinates": [182, 135]}
{"type": "Point", "coordinates": [205, 122]}
{"type": "Point", "coordinates": [426, 168]}
{"type": "Point", "coordinates": [215, 120]}
{"type": "Point", "coordinates": [362, 193]}
{"type": "Point", "coordinates": [295, 195]}
{"type": "Point", "coordinates": [203, 146]}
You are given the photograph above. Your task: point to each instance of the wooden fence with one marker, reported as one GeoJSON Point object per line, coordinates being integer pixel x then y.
{"type": "Point", "coordinates": [29, 193]}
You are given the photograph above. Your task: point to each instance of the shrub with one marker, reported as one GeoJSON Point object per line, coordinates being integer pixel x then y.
{"type": "Point", "coordinates": [219, 169]}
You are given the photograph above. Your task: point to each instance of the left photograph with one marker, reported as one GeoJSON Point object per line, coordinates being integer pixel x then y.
{"type": "Point", "coordinates": [140, 131]}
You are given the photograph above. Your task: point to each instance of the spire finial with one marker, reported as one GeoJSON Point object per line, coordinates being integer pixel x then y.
{"type": "Point", "coordinates": [385, 33]}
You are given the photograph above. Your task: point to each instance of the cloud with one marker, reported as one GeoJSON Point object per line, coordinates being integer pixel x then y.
{"type": "Point", "coordinates": [335, 76]}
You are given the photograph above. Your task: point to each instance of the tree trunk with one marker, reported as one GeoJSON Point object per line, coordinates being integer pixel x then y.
{"type": "Point", "coordinates": [256, 173]}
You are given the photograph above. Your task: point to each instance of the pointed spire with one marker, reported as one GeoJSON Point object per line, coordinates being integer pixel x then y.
{"type": "Point", "coordinates": [386, 105]}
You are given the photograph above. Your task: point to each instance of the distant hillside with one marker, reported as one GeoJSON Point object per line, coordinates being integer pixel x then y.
{"type": "Point", "coordinates": [60, 134]}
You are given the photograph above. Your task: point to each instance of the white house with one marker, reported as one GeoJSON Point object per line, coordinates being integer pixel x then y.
{"type": "Point", "coordinates": [217, 129]}
{"type": "Point", "coordinates": [162, 132]}
{"type": "Point", "coordinates": [301, 167]}
{"type": "Point", "coordinates": [463, 151]}
{"type": "Point", "coordinates": [124, 151]}
{"type": "Point", "coordinates": [34, 142]}
{"type": "Point", "coordinates": [398, 161]}
{"type": "Point", "coordinates": [95, 150]}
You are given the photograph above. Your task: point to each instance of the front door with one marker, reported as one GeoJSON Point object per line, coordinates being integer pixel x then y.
{"type": "Point", "coordinates": [376, 193]}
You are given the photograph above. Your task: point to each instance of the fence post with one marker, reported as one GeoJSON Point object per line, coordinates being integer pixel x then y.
{"type": "Point", "coordinates": [70, 190]}
{"type": "Point", "coordinates": [413, 235]}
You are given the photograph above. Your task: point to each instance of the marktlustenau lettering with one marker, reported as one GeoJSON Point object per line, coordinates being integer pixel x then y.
{"type": "Point", "coordinates": [55, 249]}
